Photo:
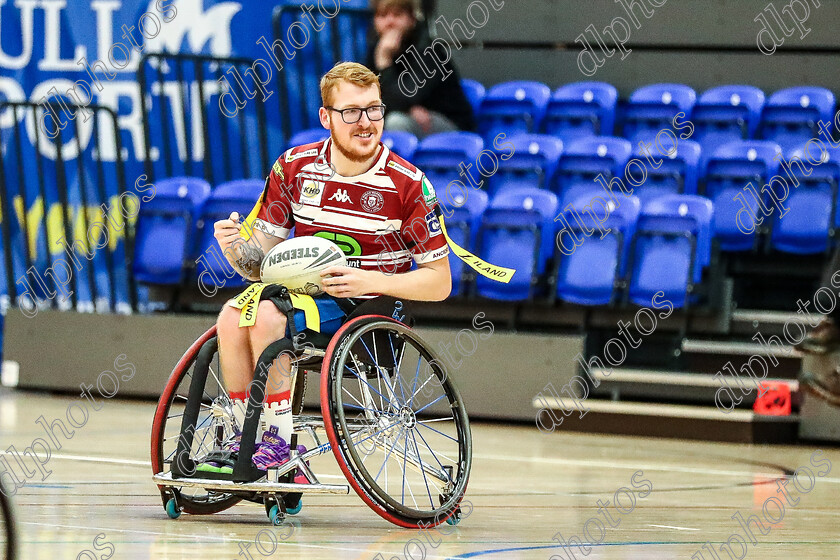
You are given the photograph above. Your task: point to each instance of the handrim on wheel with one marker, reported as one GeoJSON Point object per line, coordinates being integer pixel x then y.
{"type": "Point", "coordinates": [395, 421]}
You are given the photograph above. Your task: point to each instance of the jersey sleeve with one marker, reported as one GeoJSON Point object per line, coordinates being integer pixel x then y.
{"type": "Point", "coordinates": [272, 214]}
{"type": "Point", "coordinates": [421, 231]}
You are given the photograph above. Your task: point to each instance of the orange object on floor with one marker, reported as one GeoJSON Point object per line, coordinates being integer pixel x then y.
{"type": "Point", "coordinates": [775, 401]}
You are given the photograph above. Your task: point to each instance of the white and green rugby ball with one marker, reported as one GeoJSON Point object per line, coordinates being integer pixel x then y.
{"type": "Point", "coordinates": [297, 263]}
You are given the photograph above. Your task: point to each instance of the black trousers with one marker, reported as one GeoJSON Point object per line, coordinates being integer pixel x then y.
{"type": "Point", "coordinates": [832, 268]}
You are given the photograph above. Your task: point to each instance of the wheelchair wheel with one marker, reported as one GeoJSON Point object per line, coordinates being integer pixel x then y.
{"type": "Point", "coordinates": [395, 421]}
{"type": "Point", "coordinates": [166, 429]}
{"type": "Point", "coordinates": [8, 542]}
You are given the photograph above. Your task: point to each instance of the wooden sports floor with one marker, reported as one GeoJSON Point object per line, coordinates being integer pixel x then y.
{"type": "Point", "coordinates": [525, 488]}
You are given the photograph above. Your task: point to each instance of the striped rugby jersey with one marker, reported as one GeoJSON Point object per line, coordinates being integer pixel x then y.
{"type": "Point", "coordinates": [381, 219]}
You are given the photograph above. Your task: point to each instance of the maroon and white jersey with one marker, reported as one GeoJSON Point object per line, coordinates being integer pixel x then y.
{"type": "Point", "coordinates": [381, 219]}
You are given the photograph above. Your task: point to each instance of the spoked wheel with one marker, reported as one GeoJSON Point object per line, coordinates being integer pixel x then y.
{"type": "Point", "coordinates": [396, 423]}
{"type": "Point", "coordinates": [8, 539]}
{"type": "Point", "coordinates": [213, 427]}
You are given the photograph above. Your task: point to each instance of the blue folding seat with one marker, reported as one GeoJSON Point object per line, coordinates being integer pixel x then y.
{"type": "Point", "coordinates": [165, 229]}
{"type": "Point", "coordinates": [439, 157]}
{"type": "Point", "coordinates": [581, 109]}
{"type": "Point", "coordinates": [583, 160]}
{"type": "Point", "coordinates": [234, 196]}
{"type": "Point", "coordinates": [532, 163]}
{"type": "Point", "coordinates": [652, 108]}
{"type": "Point", "coordinates": [677, 172]}
{"type": "Point", "coordinates": [516, 232]}
{"type": "Point", "coordinates": [669, 249]}
{"type": "Point", "coordinates": [511, 108]}
{"type": "Point", "coordinates": [812, 209]}
{"type": "Point", "coordinates": [462, 227]}
{"type": "Point", "coordinates": [589, 274]}
{"type": "Point", "coordinates": [308, 136]}
{"type": "Point", "coordinates": [725, 114]}
{"type": "Point", "coordinates": [400, 142]}
{"type": "Point", "coordinates": [791, 116]}
{"type": "Point", "coordinates": [730, 169]}
{"type": "Point", "coordinates": [475, 93]}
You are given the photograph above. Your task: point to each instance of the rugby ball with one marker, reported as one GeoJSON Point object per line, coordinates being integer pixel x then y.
{"type": "Point", "coordinates": [297, 263]}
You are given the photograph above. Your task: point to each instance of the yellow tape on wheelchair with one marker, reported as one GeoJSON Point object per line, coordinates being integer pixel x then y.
{"type": "Point", "coordinates": [248, 301]}
{"type": "Point", "coordinates": [491, 271]}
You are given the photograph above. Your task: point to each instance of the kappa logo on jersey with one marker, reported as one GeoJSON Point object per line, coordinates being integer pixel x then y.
{"type": "Point", "coordinates": [433, 223]}
{"type": "Point", "coordinates": [311, 192]}
{"type": "Point", "coordinates": [294, 254]}
{"type": "Point", "coordinates": [340, 195]}
{"type": "Point", "coordinates": [372, 201]}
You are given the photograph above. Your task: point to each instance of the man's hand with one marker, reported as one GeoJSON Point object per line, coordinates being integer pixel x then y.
{"type": "Point", "coordinates": [244, 256]}
{"type": "Point", "coordinates": [387, 47]}
{"type": "Point", "coordinates": [423, 118]}
{"type": "Point", "coordinates": [348, 282]}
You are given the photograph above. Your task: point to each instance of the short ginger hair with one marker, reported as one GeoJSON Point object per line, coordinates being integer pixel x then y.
{"type": "Point", "coordinates": [399, 5]}
{"type": "Point", "coordinates": [352, 72]}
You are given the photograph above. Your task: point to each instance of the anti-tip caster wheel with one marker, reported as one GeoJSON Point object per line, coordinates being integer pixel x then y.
{"type": "Point", "coordinates": [172, 509]}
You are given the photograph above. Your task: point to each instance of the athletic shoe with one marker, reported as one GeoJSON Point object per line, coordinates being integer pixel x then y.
{"type": "Point", "coordinates": [823, 339]}
{"type": "Point", "coordinates": [222, 460]}
{"type": "Point", "coordinates": [272, 451]}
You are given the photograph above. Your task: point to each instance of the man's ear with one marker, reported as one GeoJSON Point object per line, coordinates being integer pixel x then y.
{"type": "Point", "coordinates": [324, 117]}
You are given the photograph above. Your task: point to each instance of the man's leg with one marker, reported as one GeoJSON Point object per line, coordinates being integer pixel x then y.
{"type": "Point", "coordinates": [397, 120]}
{"type": "Point", "coordinates": [826, 335]}
{"type": "Point", "coordinates": [441, 123]}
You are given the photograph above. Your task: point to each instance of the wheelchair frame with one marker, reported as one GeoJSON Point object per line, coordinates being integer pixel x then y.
{"type": "Point", "coordinates": [276, 488]}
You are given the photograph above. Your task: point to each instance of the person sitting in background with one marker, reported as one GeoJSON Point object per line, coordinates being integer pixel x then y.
{"type": "Point", "coordinates": [439, 104]}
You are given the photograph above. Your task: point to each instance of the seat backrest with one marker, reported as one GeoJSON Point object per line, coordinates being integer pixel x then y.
{"type": "Point", "coordinates": [581, 109]}
{"type": "Point", "coordinates": [308, 136]}
{"type": "Point", "coordinates": [531, 164]}
{"type": "Point", "coordinates": [584, 159]}
{"type": "Point", "coordinates": [439, 156]}
{"type": "Point", "coordinates": [677, 172]}
{"type": "Point", "coordinates": [513, 107]}
{"type": "Point", "coordinates": [400, 142]}
{"type": "Point", "coordinates": [475, 93]}
{"type": "Point", "coordinates": [742, 160]}
{"type": "Point", "coordinates": [462, 227]}
{"type": "Point", "coordinates": [791, 116]}
{"type": "Point", "coordinates": [652, 108]}
{"type": "Point", "coordinates": [731, 108]}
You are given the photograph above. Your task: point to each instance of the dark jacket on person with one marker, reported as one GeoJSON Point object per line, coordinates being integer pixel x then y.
{"type": "Point", "coordinates": [446, 96]}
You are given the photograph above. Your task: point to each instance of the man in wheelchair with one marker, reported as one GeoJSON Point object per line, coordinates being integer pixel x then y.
{"type": "Point", "coordinates": [350, 188]}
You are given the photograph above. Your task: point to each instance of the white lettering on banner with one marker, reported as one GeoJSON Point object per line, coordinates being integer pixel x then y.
{"type": "Point", "coordinates": [27, 8]}
{"type": "Point", "coordinates": [52, 39]}
{"type": "Point", "coordinates": [199, 27]}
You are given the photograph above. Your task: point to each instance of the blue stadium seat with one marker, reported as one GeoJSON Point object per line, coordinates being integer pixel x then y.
{"type": "Point", "coordinates": [808, 226]}
{"type": "Point", "coordinates": [308, 136]}
{"type": "Point", "coordinates": [165, 229]}
{"type": "Point", "coordinates": [513, 107]}
{"type": "Point", "coordinates": [728, 171]}
{"type": "Point", "coordinates": [462, 227]}
{"type": "Point", "coordinates": [475, 93]}
{"type": "Point", "coordinates": [652, 108]}
{"type": "Point", "coordinates": [516, 232]}
{"type": "Point", "coordinates": [725, 114]}
{"type": "Point", "coordinates": [588, 275]}
{"type": "Point", "coordinates": [400, 142]}
{"type": "Point", "coordinates": [233, 196]}
{"type": "Point", "coordinates": [439, 157]}
{"type": "Point", "coordinates": [583, 160]}
{"type": "Point", "coordinates": [581, 109]}
{"type": "Point", "coordinates": [677, 173]}
{"type": "Point", "coordinates": [532, 163]}
{"type": "Point", "coordinates": [669, 248]}
{"type": "Point", "coordinates": [791, 115]}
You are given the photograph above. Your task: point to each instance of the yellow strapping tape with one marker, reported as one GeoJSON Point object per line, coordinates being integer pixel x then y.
{"type": "Point", "coordinates": [306, 304]}
{"type": "Point", "coordinates": [491, 271]}
{"type": "Point", "coordinates": [248, 301]}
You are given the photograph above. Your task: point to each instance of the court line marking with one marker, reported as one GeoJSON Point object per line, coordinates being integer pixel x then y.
{"type": "Point", "coordinates": [673, 527]}
{"type": "Point", "coordinates": [635, 467]}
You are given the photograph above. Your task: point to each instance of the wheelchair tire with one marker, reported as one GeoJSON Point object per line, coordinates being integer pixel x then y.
{"type": "Point", "coordinates": [392, 421]}
{"type": "Point", "coordinates": [197, 504]}
{"type": "Point", "coordinates": [8, 533]}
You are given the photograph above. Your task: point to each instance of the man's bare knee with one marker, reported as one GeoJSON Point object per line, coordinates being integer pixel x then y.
{"type": "Point", "coordinates": [227, 325]}
{"type": "Point", "coordinates": [271, 323]}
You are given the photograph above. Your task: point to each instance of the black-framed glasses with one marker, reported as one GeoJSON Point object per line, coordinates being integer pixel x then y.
{"type": "Point", "coordinates": [352, 115]}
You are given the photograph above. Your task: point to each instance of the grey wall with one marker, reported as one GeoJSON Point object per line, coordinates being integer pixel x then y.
{"type": "Point", "coordinates": [58, 351]}
{"type": "Point", "coordinates": [701, 43]}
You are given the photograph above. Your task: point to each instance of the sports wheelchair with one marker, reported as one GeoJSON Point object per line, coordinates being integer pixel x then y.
{"type": "Point", "coordinates": [393, 420]}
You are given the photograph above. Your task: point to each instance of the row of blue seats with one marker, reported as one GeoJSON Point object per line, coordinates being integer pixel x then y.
{"type": "Point", "coordinates": [582, 254]}
{"type": "Point", "coordinates": [810, 208]}
{"type": "Point", "coordinates": [790, 117]}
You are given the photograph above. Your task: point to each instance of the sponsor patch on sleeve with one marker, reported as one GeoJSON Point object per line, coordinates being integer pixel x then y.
{"type": "Point", "coordinates": [433, 223]}
{"type": "Point", "coordinates": [429, 193]}
{"type": "Point", "coordinates": [278, 170]}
